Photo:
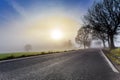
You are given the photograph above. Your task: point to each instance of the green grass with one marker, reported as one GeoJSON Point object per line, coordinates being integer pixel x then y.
{"type": "Point", "coordinates": [6, 56]}
{"type": "Point", "coordinates": [115, 55]}
{"type": "Point", "coordinates": [22, 54]}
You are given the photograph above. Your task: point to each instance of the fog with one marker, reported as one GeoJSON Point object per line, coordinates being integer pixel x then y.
{"type": "Point", "coordinates": [32, 24]}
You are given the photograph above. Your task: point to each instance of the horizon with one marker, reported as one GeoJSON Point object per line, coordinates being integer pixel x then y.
{"type": "Point", "coordinates": [36, 22]}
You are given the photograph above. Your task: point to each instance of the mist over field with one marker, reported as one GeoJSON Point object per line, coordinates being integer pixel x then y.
{"type": "Point", "coordinates": [23, 22]}
{"type": "Point", "coordinates": [43, 24]}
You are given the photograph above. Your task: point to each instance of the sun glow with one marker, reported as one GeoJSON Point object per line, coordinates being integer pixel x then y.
{"type": "Point", "coordinates": [56, 34]}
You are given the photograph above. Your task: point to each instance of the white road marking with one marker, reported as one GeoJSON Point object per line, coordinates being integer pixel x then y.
{"type": "Point", "coordinates": [109, 62]}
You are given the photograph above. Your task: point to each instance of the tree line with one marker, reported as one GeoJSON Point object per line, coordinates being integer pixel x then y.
{"type": "Point", "coordinates": [102, 21]}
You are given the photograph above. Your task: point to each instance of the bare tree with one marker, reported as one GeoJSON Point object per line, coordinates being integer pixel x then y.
{"type": "Point", "coordinates": [104, 18]}
{"type": "Point", "coordinates": [98, 43]}
{"type": "Point", "coordinates": [28, 47]}
{"type": "Point", "coordinates": [101, 36]}
{"type": "Point", "coordinates": [83, 37]}
{"type": "Point", "coordinates": [68, 44]}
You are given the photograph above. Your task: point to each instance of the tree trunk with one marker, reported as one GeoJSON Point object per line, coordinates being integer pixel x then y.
{"type": "Point", "coordinates": [84, 45]}
{"type": "Point", "coordinates": [112, 46]}
{"type": "Point", "coordinates": [108, 41]}
{"type": "Point", "coordinates": [104, 43]}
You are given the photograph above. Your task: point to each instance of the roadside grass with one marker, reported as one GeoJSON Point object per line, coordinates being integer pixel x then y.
{"type": "Point", "coordinates": [18, 55]}
{"type": "Point", "coordinates": [6, 56]}
{"type": "Point", "coordinates": [114, 55]}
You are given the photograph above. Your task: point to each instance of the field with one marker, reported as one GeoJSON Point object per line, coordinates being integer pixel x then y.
{"type": "Point", "coordinates": [6, 56]}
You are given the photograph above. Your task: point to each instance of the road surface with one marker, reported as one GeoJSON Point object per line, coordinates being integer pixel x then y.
{"type": "Point", "coordinates": [73, 65]}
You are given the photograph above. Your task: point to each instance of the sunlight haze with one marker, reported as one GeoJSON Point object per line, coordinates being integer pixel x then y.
{"type": "Point", "coordinates": [31, 22]}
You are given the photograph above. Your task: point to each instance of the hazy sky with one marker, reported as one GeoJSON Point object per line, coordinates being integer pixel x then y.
{"type": "Point", "coordinates": [31, 22]}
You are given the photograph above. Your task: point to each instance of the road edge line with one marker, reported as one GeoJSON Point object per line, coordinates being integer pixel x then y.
{"type": "Point", "coordinates": [109, 62]}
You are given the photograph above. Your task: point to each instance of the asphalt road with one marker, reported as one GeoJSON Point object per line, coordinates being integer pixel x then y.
{"type": "Point", "coordinates": [73, 65]}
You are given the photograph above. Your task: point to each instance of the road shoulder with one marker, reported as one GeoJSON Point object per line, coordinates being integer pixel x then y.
{"type": "Point", "coordinates": [113, 66]}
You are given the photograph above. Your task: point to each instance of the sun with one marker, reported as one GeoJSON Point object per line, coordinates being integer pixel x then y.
{"type": "Point", "coordinates": [56, 34]}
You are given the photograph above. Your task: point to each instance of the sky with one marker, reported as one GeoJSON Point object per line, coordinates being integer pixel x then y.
{"type": "Point", "coordinates": [32, 22]}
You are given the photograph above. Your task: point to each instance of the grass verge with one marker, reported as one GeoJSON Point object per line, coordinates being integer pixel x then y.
{"type": "Point", "coordinates": [114, 55]}
{"type": "Point", "coordinates": [7, 56]}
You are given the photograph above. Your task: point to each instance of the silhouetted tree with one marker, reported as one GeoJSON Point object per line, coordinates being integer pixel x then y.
{"type": "Point", "coordinates": [104, 18]}
{"type": "Point", "coordinates": [28, 47]}
{"type": "Point", "coordinates": [97, 35]}
{"type": "Point", "coordinates": [83, 37]}
{"type": "Point", "coordinates": [98, 43]}
{"type": "Point", "coordinates": [101, 36]}
{"type": "Point", "coordinates": [68, 44]}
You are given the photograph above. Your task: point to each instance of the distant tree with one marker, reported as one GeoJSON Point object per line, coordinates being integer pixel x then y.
{"type": "Point", "coordinates": [68, 44]}
{"type": "Point", "coordinates": [28, 47]}
{"type": "Point", "coordinates": [83, 37]}
{"type": "Point", "coordinates": [96, 35]}
{"type": "Point", "coordinates": [98, 43]}
{"type": "Point", "coordinates": [101, 36]}
{"type": "Point", "coordinates": [104, 18]}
